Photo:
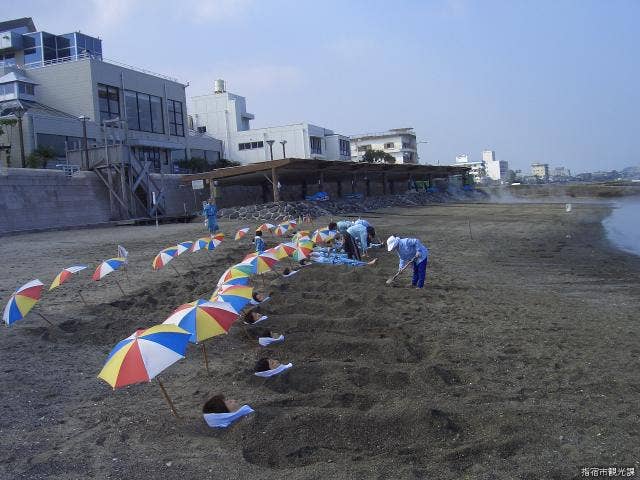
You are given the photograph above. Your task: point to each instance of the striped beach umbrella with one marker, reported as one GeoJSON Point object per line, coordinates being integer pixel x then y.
{"type": "Point", "coordinates": [323, 235]}
{"type": "Point", "coordinates": [293, 223]}
{"type": "Point", "coordinates": [164, 257]}
{"type": "Point", "coordinates": [237, 275]}
{"type": "Point", "coordinates": [236, 295]}
{"type": "Point", "coordinates": [22, 301]}
{"type": "Point", "coordinates": [303, 250]}
{"type": "Point", "coordinates": [203, 319]}
{"type": "Point", "coordinates": [144, 354]}
{"type": "Point", "coordinates": [300, 235]}
{"type": "Point", "coordinates": [288, 247]}
{"type": "Point", "coordinates": [106, 267]}
{"type": "Point", "coordinates": [260, 263]}
{"type": "Point", "coordinates": [241, 233]}
{"type": "Point", "coordinates": [218, 236]}
{"type": "Point", "coordinates": [205, 243]}
{"type": "Point", "coordinates": [65, 275]}
{"type": "Point", "coordinates": [266, 227]}
{"type": "Point", "coordinates": [281, 229]}
{"type": "Point", "coordinates": [184, 247]}
{"type": "Point", "coordinates": [278, 251]}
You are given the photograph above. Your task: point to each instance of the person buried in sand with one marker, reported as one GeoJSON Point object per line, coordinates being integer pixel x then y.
{"type": "Point", "coordinates": [257, 298]}
{"type": "Point", "coordinates": [265, 364]}
{"type": "Point", "coordinates": [218, 404]}
{"type": "Point", "coordinates": [253, 316]}
{"type": "Point", "coordinates": [410, 250]}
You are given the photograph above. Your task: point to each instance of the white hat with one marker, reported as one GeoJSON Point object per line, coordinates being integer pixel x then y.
{"type": "Point", "coordinates": [392, 242]}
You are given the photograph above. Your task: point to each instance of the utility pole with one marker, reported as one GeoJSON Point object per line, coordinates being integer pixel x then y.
{"type": "Point", "coordinates": [20, 113]}
{"type": "Point", "coordinates": [85, 147]}
{"type": "Point", "coordinates": [284, 153]}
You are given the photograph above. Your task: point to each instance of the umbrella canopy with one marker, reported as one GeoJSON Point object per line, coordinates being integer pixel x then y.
{"type": "Point", "coordinates": [293, 223]}
{"type": "Point", "coordinates": [218, 236]}
{"type": "Point", "coordinates": [236, 275]}
{"type": "Point", "coordinates": [237, 295]}
{"type": "Point", "coordinates": [303, 251]}
{"type": "Point", "coordinates": [241, 233]}
{"type": "Point", "coordinates": [260, 263]}
{"type": "Point", "coordinates": [203, 319]}
{"type": "Point", "coordinates": [300, 235]}
{"type": "Point", "coordinates": [282, 229]}
{"type": "Point", "coordinates": [184, 247]}
{"type": "Point", "coordinates": [205, 243]}
{"type": "Point", "coordinates": [278, 251]}
{"type": "Point", "coordinates": [22, 301]}
{"type": "Point", "coordinates": [266, 227]}
{"type": "Point", "coordinates": [143, 355]}
{"type": "Point", "coordinates": [164, 257]}
{"type": "Point", "coordinates": [108, 266]}
{"type": "Point", "coordinates": [288, 247]}
{"type": "Point", "coordinates": [65, 275]}
{"type": "Point", "coordinates": [323, 235]}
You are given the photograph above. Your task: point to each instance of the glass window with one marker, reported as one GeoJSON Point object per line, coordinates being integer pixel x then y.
{"type": "Point", "coordinates": [176, 122]}
{"type": "Point", "coordinates": [131, 104]}
{"type": "Point", "coordinates": [49, 40]}
{"type": "Point", "coordinates": [32, 55]}
{"type": "Point", "coordinates": [345, 148]}
{"type": "Point", "coordinates": [144, 112]}
{"type": "Point", "coordinates": [108, 102]}
{"type": "Point", "coordinates": [316, 145]}
{"type": "Point", "coordinates": [157, 119]}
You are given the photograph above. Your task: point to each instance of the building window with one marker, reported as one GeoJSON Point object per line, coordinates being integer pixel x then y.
{"type": "Point", "coordinates": [144, 112]}
{"type": "Point", "coordinates": [250, 145]}
{"type": "Point", "coordinates": [202, 129]}
{"type": "Point", "coordinates": [26, 88]}
{"type": "Point", "coordinates": [389, 145]}
{"type": "Point", "coordinates": [316, 145]}
{"type": "Point", "coordinates": [149, 154]}
{"type": "Point", "coordinates": [345, 148]}
{"type": "Point", "coordinates": [7, 60]}
{"type": "Point", "coordinates": [176, 122]}
{"type": "Point", "coordinates": [109, 102]}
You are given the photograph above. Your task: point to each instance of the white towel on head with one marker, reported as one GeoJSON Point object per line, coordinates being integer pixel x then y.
{"type": "Point", "coordinates": [253, 302]}
{"type": "Point", "coordinates": [266, 341]}
{"type": "Point", "coordinates": [223, 420]}
{"type": "Point", "coordinates": [290, 274]}
{"type": "Point", "coordinates": [275, 371]}
{"type": "Point", "coordinates": [261, 319]}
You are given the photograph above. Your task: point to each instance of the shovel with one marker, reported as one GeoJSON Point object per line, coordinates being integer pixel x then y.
{"type": "Point", "coordinates": [390, 281]}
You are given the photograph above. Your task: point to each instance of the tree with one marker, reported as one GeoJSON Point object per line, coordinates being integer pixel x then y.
{"type": "Point", "coordinates": [39, 157]}
{"type": "Point", "coordinates": [378, 156]}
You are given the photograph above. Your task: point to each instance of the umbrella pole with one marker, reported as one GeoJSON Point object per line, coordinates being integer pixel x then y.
{"type": "Point", "coordinates": [82, 298]}
{"type": "Point", "coordinates": [120, 287]}
{"type": "Point", "coordinates": [173, 266]}
{"type": "Point", "coordinates": [166, 397]}
{"type": "Point", "coordinates": [44, 318]}
{"type": "Point", "coordinates": [204, 355]}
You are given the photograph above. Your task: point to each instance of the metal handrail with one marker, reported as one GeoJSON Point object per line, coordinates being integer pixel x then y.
{"type": "Point", "coordinates": [83, 56]}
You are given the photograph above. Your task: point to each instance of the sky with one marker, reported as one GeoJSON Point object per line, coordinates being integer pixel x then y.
{"type": "Point", "coordinates": [536, 81]}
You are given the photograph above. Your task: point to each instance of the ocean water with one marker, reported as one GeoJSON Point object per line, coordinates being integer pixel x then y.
{"type": "Point", "coordinates": [623, 226]}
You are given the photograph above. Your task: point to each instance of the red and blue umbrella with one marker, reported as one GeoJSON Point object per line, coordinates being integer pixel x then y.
{"type": "Point", "coordinates": [108, 266]}
{"type": "Point", "coordinates": [65, 275]}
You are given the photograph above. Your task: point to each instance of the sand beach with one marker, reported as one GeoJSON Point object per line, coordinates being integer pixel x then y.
{"type": "Point", "coordinates": [519, 359]}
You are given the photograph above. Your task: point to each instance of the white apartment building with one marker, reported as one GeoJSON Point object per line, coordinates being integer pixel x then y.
{"type": "Point", "coordinates": [477, 169]}
{"type": "Point", "coordinates": [400, 143]}
{"type": "Point", "coordinates": [495, 169]}
{"type": "Point", "coordinates": [224, 115]}
{"type": "Point", "coordinates": [540, 170]}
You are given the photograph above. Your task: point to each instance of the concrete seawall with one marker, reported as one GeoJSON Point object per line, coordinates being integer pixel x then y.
{"type": "Point", "coordinates": [42, 199]}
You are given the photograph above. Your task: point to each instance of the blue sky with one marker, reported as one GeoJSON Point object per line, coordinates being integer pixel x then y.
{"type": "Point", "coordinates": [536, 81]}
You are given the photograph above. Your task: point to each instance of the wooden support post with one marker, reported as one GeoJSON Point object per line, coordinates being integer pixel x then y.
{"type": "Point", "coordinates": [166, 397]}
{"type": "Point", "coordinates": [274, 184]}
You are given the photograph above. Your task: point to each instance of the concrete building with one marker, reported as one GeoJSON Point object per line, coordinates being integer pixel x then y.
{"type": "Point", "coordinates": [540, 170]}
{"type": "Point", "coordinates": [477, 169]}
{"type": "Point", "coordinates": [496, 170]}
{"type": "Point", "coordinates": [61, 91]}
{"type": "Point", "coordinates": [561, 172]}
{"type": "Point", "coordinates": [400, 143]}
{"type": "Point", "coordinates": [224, 115]}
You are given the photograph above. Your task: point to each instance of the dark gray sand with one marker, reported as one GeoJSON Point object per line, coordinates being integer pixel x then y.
{"type": "Point", "coordinates": [520, 359]}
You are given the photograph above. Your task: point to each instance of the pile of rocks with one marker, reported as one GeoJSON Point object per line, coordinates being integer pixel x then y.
{"type": "Point", "coordinates": [276, 212]}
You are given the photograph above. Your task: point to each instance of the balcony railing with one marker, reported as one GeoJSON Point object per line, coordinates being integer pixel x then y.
{"type": "Point", "coordinates": [84, 56]}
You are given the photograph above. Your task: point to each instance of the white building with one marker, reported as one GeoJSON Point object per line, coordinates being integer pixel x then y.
{"type": "Point", "coordinates": [224, 115]}
{"type": "Point", "coordinates": [495, 169]}
{"type": "Point", "coordinates": [477, 169]}
{"type": "Point", "coordinates": [540, 170]}
{"type": "Point", "coordinates": [398, 142]}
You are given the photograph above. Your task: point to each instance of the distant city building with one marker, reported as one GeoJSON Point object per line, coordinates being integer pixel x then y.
{"type": "Point", "coordinates": [540, 170]}
{"type": "Point", "coordinates": [400, 143]}
{"type": "Point", "coordinates": [488, 156]}
{"type": "Point", "coordinates": [561, 172]}
{"type": "Point", "coordinates": [476, 169]}
{"type": "Point", "coordinates": [59, 86]}
{"type": "Point", "coordinates": [224, 115]}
